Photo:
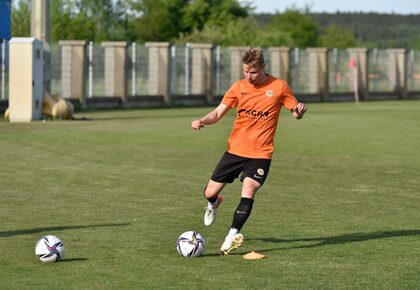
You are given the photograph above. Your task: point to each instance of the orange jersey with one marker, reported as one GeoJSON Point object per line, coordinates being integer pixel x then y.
{"type": "Point", "coordinates": [258, 110]}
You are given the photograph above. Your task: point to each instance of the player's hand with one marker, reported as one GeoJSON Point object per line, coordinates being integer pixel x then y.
{"type": "Point", "coordinates": [197, 124]}
{"type": "Point", "coordinates": [299, 111]}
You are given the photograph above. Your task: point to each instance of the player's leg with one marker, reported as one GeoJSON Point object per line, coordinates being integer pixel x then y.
{"type": "Point", "coordinates": [243, 211]}
{"type": "Point", "coordinates": [253, 177]}
{"type": "Point", "coordinates": [213, 189]}
{"type": "Point", "coordinates": [234, 238]}
{"type": "Point", "coordinates": [228, 168]}
{"type": "Point", "coordinates": [212, 194]}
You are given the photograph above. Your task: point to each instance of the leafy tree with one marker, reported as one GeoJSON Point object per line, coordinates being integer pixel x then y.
{"type": "Point", "coordinates": [415, 43]}
{"type": "Point", "coordinates": [299, 25]}
{"type": "Point", "coordinates": [222, 22]}
{"type": "Point", "coordinates": [66, 24]}
{"type": "Point", "coordinates": [158, 20]}
{"type": "Point", "coordinates": [166, 20]}
{"type": "Point", "coordinates": [338, 37]}
{"type": "Point", "coordinates": [97, 20]}
{"type": "Point", "coordinates": [214, 13]}
{"type": "Point", "coordinates": [21, 18]}
{"type": "Point", "coordinates": [242, 32]}
{"type": "Point", "coordinates": [375, 30]}
{"type": "Point", "coordinates": [102, 13]}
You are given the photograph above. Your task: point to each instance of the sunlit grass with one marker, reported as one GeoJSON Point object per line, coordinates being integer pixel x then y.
{"type": "Point", "coordinates": [340, 208]}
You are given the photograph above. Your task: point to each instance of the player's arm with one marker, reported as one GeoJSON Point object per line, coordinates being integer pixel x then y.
{"type": "Point", "coordinates": [298, 111]}
{"type": "Point", "coordinates": [289, 100]}
{"type": "Point", "coordinates": [211, 118]}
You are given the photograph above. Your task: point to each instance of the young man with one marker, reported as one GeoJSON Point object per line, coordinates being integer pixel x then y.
{"type": "Point", "coordinates": [258, 99]}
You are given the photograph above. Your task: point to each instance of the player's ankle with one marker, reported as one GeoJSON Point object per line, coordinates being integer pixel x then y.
{"type": "Point", "coordinates": [232, 232]}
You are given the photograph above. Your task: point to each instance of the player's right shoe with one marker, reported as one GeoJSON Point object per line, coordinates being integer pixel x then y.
{"type": "Point", "coordinates": [210, 214]}
{"type": "Point", "coordinates": [232, 243]}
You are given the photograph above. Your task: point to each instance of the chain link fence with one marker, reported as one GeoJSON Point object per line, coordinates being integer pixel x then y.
{"type": "Point", "coordinates": [55, 69]}
{"type": "Point", "coordinates": [221, 70]}
{"type": "Point", "coordinates": [340, 75]}
{"type": "Point", "coordinates": [340, 78]}
{"type": "Point", "coordinates": [181, 69]}
{"type": "Point", "coordinates": [137, 70]}
{"type": "Point", "coordinates": [299, 68]}
{"type": "Point", "coordinates": [378, 71]}
{"type": "Point", "coordinates": [413, 71]}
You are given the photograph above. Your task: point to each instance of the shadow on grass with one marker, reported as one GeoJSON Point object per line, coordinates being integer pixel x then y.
{"type": "Point", "coordinates": [238, 252]}
{"type": "Point", "coordinates": [122, 116]}
{"type": "Point", "coordinates": [337, 240]}
{"type": "Point", "coordinates": [55, 229]}
{"type": "Point", "coordinates": [73, 260]}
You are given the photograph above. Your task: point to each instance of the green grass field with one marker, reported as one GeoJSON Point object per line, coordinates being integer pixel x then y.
{"type": "Point", "coordinates": [340, 208]}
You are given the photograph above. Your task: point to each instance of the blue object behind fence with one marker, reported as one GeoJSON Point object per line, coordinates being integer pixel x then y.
{"type": "Point", "coordinates": [5, 10]}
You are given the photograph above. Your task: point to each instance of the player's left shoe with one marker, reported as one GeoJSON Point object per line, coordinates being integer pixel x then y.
{"type": "Point", "coordinates": [232, 243]}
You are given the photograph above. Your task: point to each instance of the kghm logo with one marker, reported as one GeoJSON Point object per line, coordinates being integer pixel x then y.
{"type": "Point", "coordinates": [253, 113]}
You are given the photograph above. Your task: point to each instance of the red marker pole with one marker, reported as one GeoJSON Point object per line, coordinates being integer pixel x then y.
{"type": "Point", "coordinates": [353, 66]}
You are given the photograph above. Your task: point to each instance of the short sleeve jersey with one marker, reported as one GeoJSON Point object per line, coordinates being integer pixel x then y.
{"type": "Point", "coordinates": [258, 110]}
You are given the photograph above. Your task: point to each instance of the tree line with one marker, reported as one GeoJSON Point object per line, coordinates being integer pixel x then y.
{"type": "Point", "coordinates": [221, 22]}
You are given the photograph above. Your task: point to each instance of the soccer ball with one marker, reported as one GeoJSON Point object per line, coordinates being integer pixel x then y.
{"type": "Point", "coordinates": [190, 244]}
{"type": "Point", "coordinates": [49, 249]}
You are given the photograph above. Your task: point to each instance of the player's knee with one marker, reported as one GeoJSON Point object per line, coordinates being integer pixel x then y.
{"type": "Point", "coordinates": [250, 187]}
{"type": "Point", "coordinates": [208, 193]}
{"type": "Point", "coordinates": [211, 191]}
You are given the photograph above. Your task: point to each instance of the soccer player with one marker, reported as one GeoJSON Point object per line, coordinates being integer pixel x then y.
{"type": "Point", "coordinates": [258, 99]}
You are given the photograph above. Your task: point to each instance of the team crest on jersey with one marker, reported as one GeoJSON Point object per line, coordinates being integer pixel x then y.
{"type": "Point", "coordinates": [260, 171]}
{"type": "Point", "coordinates": [269, 93]}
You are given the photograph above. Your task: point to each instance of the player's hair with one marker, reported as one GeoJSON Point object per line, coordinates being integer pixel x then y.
{"type": "Point", "coordinates": [253, 57]}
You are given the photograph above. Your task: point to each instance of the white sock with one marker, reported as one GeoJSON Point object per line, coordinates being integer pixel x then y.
{"type": "Point", "coordinates": [232, 232]}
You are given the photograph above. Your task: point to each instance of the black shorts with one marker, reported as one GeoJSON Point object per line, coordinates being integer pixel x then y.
{"type": "Point", "coordinates": [231, 165]}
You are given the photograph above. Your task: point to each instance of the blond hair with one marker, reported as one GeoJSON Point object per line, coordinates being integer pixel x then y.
{"type": "Point", "coordinates": [253, 57]}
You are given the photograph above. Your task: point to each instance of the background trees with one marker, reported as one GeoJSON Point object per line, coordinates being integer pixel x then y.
{"type": "Point", "coordinates": [221, 22]}
{"type": "Point", "coordinates": [156, 20]}
{"type": "Point", "coordinates": [301, 28]}
{"type": "Point", "coordinates": [336, 36]}
{"type": "Point", "coordinates": [21, 18]}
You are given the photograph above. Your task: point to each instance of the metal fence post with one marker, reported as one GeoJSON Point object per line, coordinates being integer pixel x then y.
{"type": "Point", "coordinates": [218, 70]}
{"type": "Point", "coordinates": [187, 69]}
{"type": "Point", "coordinates": [90, 95]}
{"type": "Point", "coordinates": [296, 60]}
{"type": "Point", "coordinates": [133, 69]}
{"type": "Point", "coordinates": [174, 77]}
